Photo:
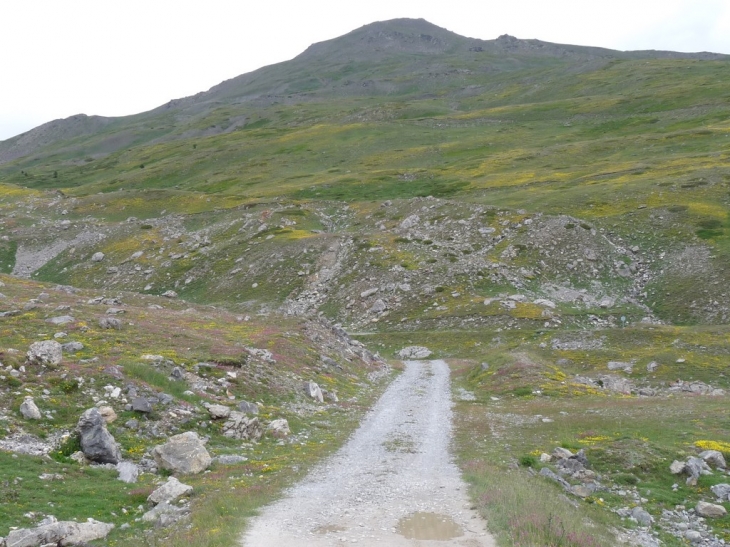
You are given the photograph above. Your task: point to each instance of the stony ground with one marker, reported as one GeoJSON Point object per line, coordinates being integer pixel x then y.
{"type": "Point", "coordinates": [394, 483]}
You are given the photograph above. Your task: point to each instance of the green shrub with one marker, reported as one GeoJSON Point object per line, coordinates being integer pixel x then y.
{"type": "Point", "coordinates": [528, 460]}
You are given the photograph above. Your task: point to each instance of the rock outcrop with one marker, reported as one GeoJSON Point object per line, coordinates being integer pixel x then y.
{"type": "Point", "coordinates": [97, 443]}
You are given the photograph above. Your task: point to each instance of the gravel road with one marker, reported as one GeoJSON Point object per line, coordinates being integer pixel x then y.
{"type": "Point", "coordinates": [393, 483]}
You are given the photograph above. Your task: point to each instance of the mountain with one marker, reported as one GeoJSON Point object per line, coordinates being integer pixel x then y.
{"type": "Point", "coordinates": [402, 58]}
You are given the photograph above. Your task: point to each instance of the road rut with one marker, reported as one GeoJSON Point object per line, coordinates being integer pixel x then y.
{"type": "Point", "coordinates": [393, 483]}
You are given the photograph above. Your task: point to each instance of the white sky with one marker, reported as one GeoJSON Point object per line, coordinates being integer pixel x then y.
{"type": "Point", "coordinates": [118, 57]}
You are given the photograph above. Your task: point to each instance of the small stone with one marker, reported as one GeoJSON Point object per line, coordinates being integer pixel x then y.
{"type": "Point", "coordinates": [97, 257]}
{"type": "Point", "coordinates": [29, 410]}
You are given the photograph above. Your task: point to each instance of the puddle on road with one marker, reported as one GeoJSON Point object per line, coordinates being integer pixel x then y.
{"type": "Point", "coordinates": [428, 526]}
{"type": "Point", "coordinates": [328, 529]}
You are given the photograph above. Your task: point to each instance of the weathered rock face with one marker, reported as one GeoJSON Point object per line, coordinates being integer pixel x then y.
{"type": "Point", "coordinates": [97, 443]}
{"type": "Point", "coordinates": [184, 453]}
{"type": "Point", "coordinates": [414, 352]}
{"type": "Point", "coordinates": [169, 491]}
{"type": "Point", "coordinates": [314, 391]}
{"type": "Point", "coordinates": [47, 353]}
{"type": "Point", "coordinates": [29, 410]}
{"type": "Point", "coordinates": [61, 533]}
{"type": "Point", "coordinates": [279, 428]}
{"type": "Point", "coordinates": [240, 426]}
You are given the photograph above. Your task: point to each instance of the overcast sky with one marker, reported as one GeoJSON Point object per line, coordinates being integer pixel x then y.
{"type": "Point", "coordinates": [114, 57]}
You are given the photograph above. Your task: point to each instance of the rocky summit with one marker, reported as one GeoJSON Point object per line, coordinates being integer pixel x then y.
{"type": "Point", "coordinates": [200, 302]}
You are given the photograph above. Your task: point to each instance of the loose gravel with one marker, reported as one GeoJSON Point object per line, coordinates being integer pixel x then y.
{"type": "Point", "coordinates": [394, 469]}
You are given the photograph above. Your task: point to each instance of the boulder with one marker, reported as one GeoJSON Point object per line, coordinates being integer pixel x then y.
{"type": "Point", "coordinates": [414, 352]}
{"type": "Point", "coordinates": [29, 410]}
{"type": "Point", "coordinates": [313, 390]}
{"type": "Point", "coordinates": [46, 353]}
{"type": "Point", "coordinates": [642, 516]}
{"type": "Point", "coordinates": [546, 472]}
{"type": "Point", "coordinates": [561, 453]}
{"type": "Point", "coordinates": [694, 468]}
{"type": "Point", "coordinates": [141, 404]}
{"type": "Point", "coordinates": [63, 533]}
{"type": "Point", "coordinates": [72, 347]}
{"type": "Point", "coordinates": [97, 257]}
{"type": "Point", "coordinates": [248, 408]}
{"type": "Point", "coordinates": [714, 457]}
{"type": "Point", "coordinates": [169, 491]}
{"type": "Point", "coordinates": [279, 428]}
{"type": "Point", "coordinates": [110, 323]}
{"type": "Point", "coordinates": [184, 453]}
{"type": "Point", "coordinates": [97, 443]}
{"type": "Point", "coordinates": [710, 510]}
{"type": "Point", "coordinates": [218, 412]}
{"type": "Point", "coordinates": [164, 514]}
{"type": "Point", "coordinates": [169, 294]}
{"type": "Point", "coordinates": [240, 426]}
{"type": "Point", "coordinates": [128, 472]}
{"type": "Point", "coordinates": [722, 491]}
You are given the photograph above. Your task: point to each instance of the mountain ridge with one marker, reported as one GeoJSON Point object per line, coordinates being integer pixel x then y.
{"type": "Point", "coordinates": [372, 43]}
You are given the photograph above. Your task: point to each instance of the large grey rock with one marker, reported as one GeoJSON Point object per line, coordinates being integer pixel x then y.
{"type": "Point", "coordinates": [62, 533]}
{"type": "Point", "coordinates": [714, 457]}
{"type": "Point", "coordinates": [313, 390]}
{"type": "Point", "coordinates": [240, 426]}
{"type": "Point", "coordinates": [141, 404]}
{"type": "Point", "coordinates": [722, 491]}
{"type": "Point", "coordinates": [248, 408]}
{"type": "Point", "coordinates": [164, 514]}
{"type": "Point", "coordinates": [47, 353]}
{"type": "Point", "coordinates": [218, 412]}
{"type": "Point", "coordinates": [72, 347]}
{"type": "Point", "coordinates": [642, 516]}
{"type": "Point", "coordinates": [414, 352]}
{"type": "Point", "coordinates": [97, 443]}
{"type": "Point", "coordinates": [128, 472]}
{"type": "Point", "coordinates": [97, 257]}
{"type": "Point", "coordinates": [694, 468]}
{"type": "Point", "coordinates": [110, 323]}
{"type": "Point", "coordinates": [546, 472]}
{"type": "Point", "coordinates": [29, 410]}
{"type": "Point", "coordinates": [184, 453]}
{"type": "Point", "coordinates": [710, 510]}
{"type": "Point", "coordinates": [169, 491]}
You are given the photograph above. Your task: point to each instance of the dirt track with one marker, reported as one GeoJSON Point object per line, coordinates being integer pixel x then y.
{"type": "Point", "coordinates": [392, 484]}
